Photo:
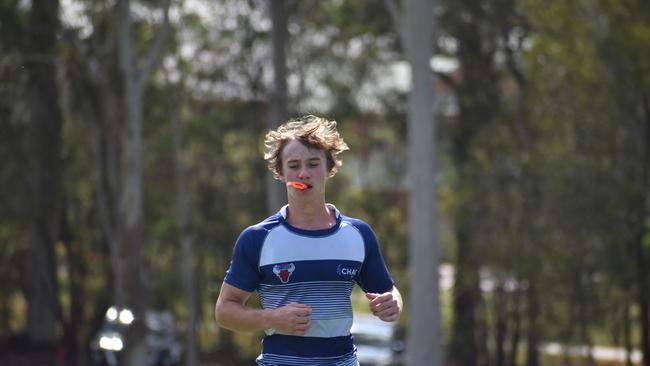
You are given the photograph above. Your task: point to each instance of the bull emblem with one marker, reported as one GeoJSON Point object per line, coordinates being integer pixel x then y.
{"type": "Point", "coordinates": [284, 271]}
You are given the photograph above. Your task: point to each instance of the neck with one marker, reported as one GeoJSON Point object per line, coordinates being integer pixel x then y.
{"type": "Point", "coordinates": [310, 215]}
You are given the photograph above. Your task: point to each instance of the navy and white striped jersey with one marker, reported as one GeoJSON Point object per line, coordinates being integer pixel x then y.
{"type": "Point", "coordinates": [314, 267]}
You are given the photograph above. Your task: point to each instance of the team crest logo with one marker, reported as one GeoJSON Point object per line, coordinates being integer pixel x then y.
{"type": "Point", "coordinates": [284, 271]}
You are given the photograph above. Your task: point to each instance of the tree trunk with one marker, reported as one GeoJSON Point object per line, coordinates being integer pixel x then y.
{"type": "Point", "coordinates": [95, 85]}
{"type": "Point", "coordinates": [130, 197]}
{"type": "Point", "coordinates": [106, 112]}
{"type": "Point", "coordinates": [44, 309]}
{"type": "Point", "coordinates": [643, 296]}
{"type": "Point", "coordinates": [583, 317]}
{"type": "Point", "coordinates": [464, 345]}
{"type": "Point", "coordinates": [131, 243]}
{"type": "Point", "coordinates": [627, 339]}
{"type": "Point", "coordinates": [644, 256]}
{"type": "Point", "coordinates": [424, 332]}
{"type": "Point", "coordinates": [76, 272]}
{"type": "Point", "coordinates": [478, 105]}
{"type": "Point", "coordinates": [501, 311]}
{"type": "Point", "coordinates": [532, 336]}
{"type": "Point", "coordinates": [639, 226]}
{"type": "Point", "coordinates": [191, 357]}
{"type": "Point", "coordinates": [275, 192]}
{"type": "Point", "coordinates": [516, 331]}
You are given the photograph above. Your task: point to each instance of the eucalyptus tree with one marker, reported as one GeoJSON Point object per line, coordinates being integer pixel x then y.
{"type": "Point", "coordinates": [578, 101]}
{"type": "Point", "coordinates": [469, 24]}
{"type": "Point", "coordinates": [15, 215]}
{"type": "Point", "coordinates": [628, 60]}
{"type": "Point", "coordinates": [188, 255]}
{"type": "Point", "coordinates": [130, 237]}
{"type": "Point", "coordinates": [109, 83]}
{"type": "Point", "coordinates": [622, 31]}
{"type": "Point", "coordinates": [42, 290]}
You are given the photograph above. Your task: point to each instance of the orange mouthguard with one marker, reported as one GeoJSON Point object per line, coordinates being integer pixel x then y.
{"type": "Point", "coordinates": [297, 185]}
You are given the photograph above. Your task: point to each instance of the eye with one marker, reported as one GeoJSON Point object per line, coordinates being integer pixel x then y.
{"type": "Point", "coordinates": [314, 164]}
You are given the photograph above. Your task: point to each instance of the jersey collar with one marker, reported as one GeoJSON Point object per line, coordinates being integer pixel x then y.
{"type": "Point", "coordinates": [322, 232]}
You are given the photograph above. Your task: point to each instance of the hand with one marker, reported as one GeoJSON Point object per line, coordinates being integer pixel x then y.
{"type": "Point", "coordinates": [385, 306]}
{"type": "Point", "coordinates": [293, 319]}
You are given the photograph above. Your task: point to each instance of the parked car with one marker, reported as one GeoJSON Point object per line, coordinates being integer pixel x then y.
{"type": "Point", "coordinates": [376, 341]}
{"type": "Point", "coordinates": [162, 346]}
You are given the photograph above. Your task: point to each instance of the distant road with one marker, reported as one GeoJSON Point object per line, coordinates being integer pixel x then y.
{"type": "Point", "coordinates": [599, 353]}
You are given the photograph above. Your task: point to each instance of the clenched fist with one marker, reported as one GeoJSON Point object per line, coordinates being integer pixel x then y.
{"type": "Point", "coordinates": [293, 319]}
{"type": "Point", "coordinates": [385, 306]}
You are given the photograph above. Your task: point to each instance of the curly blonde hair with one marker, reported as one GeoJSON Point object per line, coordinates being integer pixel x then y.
{"type": "Point", "coordinates": [313, 132]}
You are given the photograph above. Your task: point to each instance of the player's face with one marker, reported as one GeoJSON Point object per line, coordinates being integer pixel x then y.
{"type": "Point", "coordinates": [306, 165]}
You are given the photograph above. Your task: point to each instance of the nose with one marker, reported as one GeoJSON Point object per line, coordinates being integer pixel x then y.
{"type": "Point", "coordinates": [303, 173]}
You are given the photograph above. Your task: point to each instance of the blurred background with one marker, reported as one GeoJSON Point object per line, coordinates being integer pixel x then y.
{"type": "Point", "coordinates": [131, 142]}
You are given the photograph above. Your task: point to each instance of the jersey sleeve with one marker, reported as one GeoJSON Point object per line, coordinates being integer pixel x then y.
{"type": "Point", "coordinates": [374, 276]}
{"type": "Point", "coordinates": [244, 272]}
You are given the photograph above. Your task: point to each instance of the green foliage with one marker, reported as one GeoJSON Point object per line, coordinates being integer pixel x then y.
{"type": "Point", "coordinates": [224, 165]}
{"type": "Point", "coordinates": [14, 210]}
{"type": "Point", "coordinates": [549, 185]}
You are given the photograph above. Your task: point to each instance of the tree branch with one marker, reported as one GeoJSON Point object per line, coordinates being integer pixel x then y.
{"type": "Point", "coordinates": [125, 47]}
{"type": "Point", "coordinates": [511, 63]}
{"type": "Point", "coordinates": [154, 54]}
{"type": "Point", "coordinates": [396, 14]}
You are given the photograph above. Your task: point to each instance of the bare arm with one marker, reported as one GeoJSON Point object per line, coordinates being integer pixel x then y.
{"type": "Point", "coordinates": [387, 306]}
{"type": "Point", "coordinates": [232, 313]}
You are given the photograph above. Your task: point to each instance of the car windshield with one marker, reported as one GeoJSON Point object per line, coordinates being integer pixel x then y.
{"type": "Point", "coordinates": [111, 327]}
